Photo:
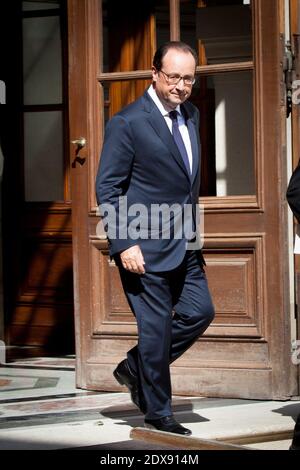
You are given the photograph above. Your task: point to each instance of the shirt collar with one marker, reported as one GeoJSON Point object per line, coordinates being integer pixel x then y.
{"type": "Point", "coordinates": [159, 104]}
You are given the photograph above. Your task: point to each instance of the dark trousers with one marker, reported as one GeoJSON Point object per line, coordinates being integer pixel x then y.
{"type": "Point", "coordinates": [172, 310]}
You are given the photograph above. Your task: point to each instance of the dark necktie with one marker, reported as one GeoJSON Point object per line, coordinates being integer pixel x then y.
{"type": "Point", "coordinates": [179, 140]}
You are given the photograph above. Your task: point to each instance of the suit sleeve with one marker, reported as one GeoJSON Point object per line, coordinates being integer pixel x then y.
{"type": "Point", "coordinates": [112, 181]}
{"type": "Point", "coordinates": [293, 192]}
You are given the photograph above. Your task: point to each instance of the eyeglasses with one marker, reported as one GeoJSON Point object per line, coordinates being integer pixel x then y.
{"type": "Point", "coordinates": [174, 78]}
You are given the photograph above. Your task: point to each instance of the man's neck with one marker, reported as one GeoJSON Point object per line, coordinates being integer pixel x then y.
{"type": "Point", "coordinates": [163, 105]}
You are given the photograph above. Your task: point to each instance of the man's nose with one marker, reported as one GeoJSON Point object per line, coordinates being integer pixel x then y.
{"type": "Point", "coordinates": [180, 85]}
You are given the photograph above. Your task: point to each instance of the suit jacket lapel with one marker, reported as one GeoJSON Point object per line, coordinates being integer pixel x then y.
{"type": "Point", "coordinates": [159, 124]}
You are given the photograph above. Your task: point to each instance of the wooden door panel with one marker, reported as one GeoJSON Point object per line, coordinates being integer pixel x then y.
{"type": "Point", "coordinates": [235, 283]}
{"type": "Point", "coordinates": [111, 307]}
{"type": "Point", "coordinates": [236, 276]}
{"type": "Point", "coordinates": [50, 270]}
{"type": "Point", "coordinates": [232, 282]}
{"type": "Point", "coordinates": [45, 328]}
{"type": "Point", "coordinates": [42, 312]}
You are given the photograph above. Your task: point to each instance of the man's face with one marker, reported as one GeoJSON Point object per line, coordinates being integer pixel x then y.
{"type": "Point", "coordinates": [175, 62]}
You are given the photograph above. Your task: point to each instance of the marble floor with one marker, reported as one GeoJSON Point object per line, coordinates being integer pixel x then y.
{"type": "Point", "coordinates": [41, 408]}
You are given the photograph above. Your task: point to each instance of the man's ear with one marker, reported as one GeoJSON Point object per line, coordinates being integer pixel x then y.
{"type": "Point", "coordinates": [154, 74]}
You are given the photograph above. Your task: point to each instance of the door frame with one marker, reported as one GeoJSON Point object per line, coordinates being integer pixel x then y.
{"type": "Point", "coordinates": [89, 249]}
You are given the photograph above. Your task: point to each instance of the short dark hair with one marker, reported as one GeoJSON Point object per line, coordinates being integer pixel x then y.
{"type": "Point", "coordinates": [164, 48]}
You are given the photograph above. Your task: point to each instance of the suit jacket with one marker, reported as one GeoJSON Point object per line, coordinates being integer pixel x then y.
{"type": "Point", "coordinates": [140, 160]}
{"type": "Point", "coordinates": [293, 192]}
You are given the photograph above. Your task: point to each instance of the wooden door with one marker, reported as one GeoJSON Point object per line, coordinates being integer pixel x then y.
{"type": "Point", "coordinates": [37, 232]}
{"type": "Point", "coordinates": [246, 351]}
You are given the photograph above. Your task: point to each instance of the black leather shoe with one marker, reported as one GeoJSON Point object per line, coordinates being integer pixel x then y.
{"type": "Point", "coordinates": [125, 376]}
{"type": "Point", "coordinates": [167, 424]}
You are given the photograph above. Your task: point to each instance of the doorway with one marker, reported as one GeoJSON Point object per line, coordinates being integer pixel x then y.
{"type": "Point", "coordinates": [37, 229]}
{"type": "Point", "coordinates": [246, 351]}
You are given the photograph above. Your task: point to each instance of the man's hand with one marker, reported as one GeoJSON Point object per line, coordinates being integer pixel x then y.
{"type": "Point", "coordinates": [133, 260]}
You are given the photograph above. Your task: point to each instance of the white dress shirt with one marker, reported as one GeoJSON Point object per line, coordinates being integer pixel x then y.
{"type": "Point", "coordinates": [181, 123]}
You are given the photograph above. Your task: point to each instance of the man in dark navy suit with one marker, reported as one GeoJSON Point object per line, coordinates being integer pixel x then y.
{"type": "Point", "coordinates": [151, 158]}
